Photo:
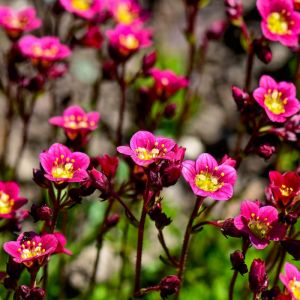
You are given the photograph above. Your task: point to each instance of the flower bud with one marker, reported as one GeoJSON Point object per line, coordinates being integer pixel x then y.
{"type": "Point", "coordinates": [237, 259]}
{"type": "Point", "coordinates": [23, 292]}
{"type": "Point", "coordinates": [216, 30]}
{"type": "Point", "coordinates": [289, 218]}
{"type": "Point", "coordinates": [39, 178]}
{"type": "Point", "coordinates": [169, 286]}
{"type": "Point", "coordinates": [170, 174]}
{"type": "Point", "coordinates": [258, 278]}
{"type": "Point", "coordinates": [234, 11]}
{"type": "Point", "coordinates": [99, 181]}
{"type": "Point", "coordinates": [170, 110]}
{"type": "Point", "coordinates": [149, 61]}
{"type": "Point", "coordinates": [43, 212]}
{"type": "Point", "coordinates": [228, 229]}
{"type": "Point", "coordinates": [160, 218]}
{"type": "Point", "coordinates": [227, 160]}
{"type": "Point", "coordinates": [241, 98]}
{"type": "Point", "coordinates": [266, 151]}
{"type": "Point", "coordinates": [37, 294]}
{"type": "Point", "coordinates": [112, 220]}
{"type": "Point", "coordinates": [262, 50]}
{"type": "Point", "coordinates": [109, 70]}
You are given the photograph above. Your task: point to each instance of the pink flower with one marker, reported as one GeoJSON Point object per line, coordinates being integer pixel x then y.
{"type": "Point", "coordinates": [167, 83]}
{"type": "Point", "coordinates": [278, 99]}
{"type": "Point", "coordinates": [61, 243]}
{"type": "Point", "coordinates": [30, 248]}
{"type": "Point", "coordinates": [75, 121]}
{"type": "Point", "coordinates": [124, 11]}
{"type": "Point", "coordinates": [146, 149]}
{"type": "Point", "coordinates": [284, 187]}
{"type": "Point", "coordinates": [208, 179]}
{"type": "Point", "coordinates": [261, 223]}
{"type": "Point", "coordinates": [279, 21]}
{"type": "Point", "coordinates": [291, 280]}
{"type": "Point", "coordinates": [61, 165]}
{"type": "Point", "coordinates": [9, 199]}
{"type": "Point", "coordinates": [125, 40]}
{"type": "Point", "coordinates": [46, 49]}
{"type": "Point", "coordinates": [17, 22]}
{"type": "Point", "coordinates": [86, 9]}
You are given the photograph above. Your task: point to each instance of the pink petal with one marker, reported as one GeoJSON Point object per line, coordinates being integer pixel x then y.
{"type": "Point", "coordinates": [188, 170]}
{"type": "Point", "coordinates": [143, 139]}
{"type": "Point", "coordinates": [206, 162]}
{"type": "Point", "coordinates": [249, 207]}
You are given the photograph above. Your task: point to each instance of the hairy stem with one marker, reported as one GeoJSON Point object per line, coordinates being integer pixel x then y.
{"type": "Point", "coordinates": [185, 245]}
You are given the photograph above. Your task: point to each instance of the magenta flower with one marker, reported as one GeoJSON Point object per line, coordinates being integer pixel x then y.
{"type": "Point", "coordinates": [284, 187]}
{"type": "Point", "coordinates": [30, 248]}
{"type": "Point", "coordinates": [46, 49]}
{"type": "Point", "coordinates": [61, 243]}
{"type": "Point", "coordinates": [167, 83]}
{"type": "Point", "coordinates": [9, 199]}
{"type": "Point", "coordinates": [17, 22]}
{"type": "Point", "coordinates": [61, 165]}
{"type": "Point", "coordinates": [125, 40]}
{"type": "Point", "coordinates": [208, 179]}
{"type": "Point", "coordinates": [278, 99]}
{"type": "Point", "coordinates": [261, 223]}
{"type": "Point", "coordinates": [291, 280]}
{"type": "Point", "coordinates": [280, 22]}
{"type": "Point", "coordinates": [86, 9]}
{"type": "Point", "coordinates": [75, 121]}
{"type": "Point", "coordinates": [146, 149]}
{"type": "Point", "coordinates": [125, 11]}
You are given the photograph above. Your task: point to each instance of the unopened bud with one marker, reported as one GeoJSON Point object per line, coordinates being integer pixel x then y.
{"type": "Point", "coordinates": [258, 278]}
{"type": "Point", "coordinates": [216, 30]}
{"type": "Point", "coordinates": [170, 110]}
{"type": "Point", "coordinates": [237, 259]}
{"type": "Point", "coordinates": [228, 229]}
{"type": "Point", "coordinates": [169, 286]}
{"type": "Point", "coordinates": [43, 212]}
{"type": "Point", "coordinates": [262, 50]}
{"type": "Point", "coordinates": [266, 151]}
{"type": "Point", "coordinates": [241, 98]}
{"type": "Point", "coordinates": [160, 218]}
{"type": "Point", "coordinates": [234, 11]}
{"type": "Point", "coordinates": [37, 294]}
{"type": "Point", "coordinates": [40, 179]}
{"type": "Point", "coordinates": [112, 220]}
{"type": "Point", "coordinates": [149, 61]}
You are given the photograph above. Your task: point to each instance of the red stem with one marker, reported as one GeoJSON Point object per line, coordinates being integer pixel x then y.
{"type": "Point", "coordinates": [185, 245]}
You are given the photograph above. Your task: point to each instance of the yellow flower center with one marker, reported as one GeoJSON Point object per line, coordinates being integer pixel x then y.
{"type": "Point", "coordinates": [82, 5]}
{"type": "Point", "coordinates": [144, 154]}
{"type": "Point", "coordinates": [129, 41]}
{"type": "Point", "coordinates": [6, 204]}
{"type": "Point", "coordinates": [274, 102]}
{"type": "Point", "coordinates": [63, 168]}
{"type": "Point", "coordinates": [77, 122]}
{"type": "Point", "coordinates": [277, 23]}
{"type": "Point", "coordinates": [16, 22]}
{"type": "Point", "coordinates": [295, 288]}
{"type": "Point", "coordinates": [124, 15]}
{"type": "Point", "coordinates": [208, 182]}
{"type": "Point", "coordinates": [39, 51]}
{"type": "Point", "coordinates": [259, 228]}
{"type": "Point", "coordinates": [285, 190]}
